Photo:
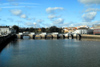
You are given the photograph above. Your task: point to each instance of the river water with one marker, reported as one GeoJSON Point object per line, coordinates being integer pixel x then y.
{"type": "Point", "coordinates": [51, 53]}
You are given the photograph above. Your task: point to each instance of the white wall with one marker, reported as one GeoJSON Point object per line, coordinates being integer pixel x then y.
{"type": "Point", "coordinates": [5, 31]}
{"type": "Point", "coordinates": [81, 31]}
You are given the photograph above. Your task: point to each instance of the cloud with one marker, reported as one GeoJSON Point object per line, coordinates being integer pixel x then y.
{"type": "Point", "coordinates": [71, 25]}
{"type": "Point", "coordinates": [89, 23]}
{"type": "Point", "coordinates": [16, 12]}
{"type": "Point", "coordinates": [32, 24]}
{"type": "Point", "coordinates": [52, 10]}
{"type": "Point", "coordinates": [58, 21]}
{"type": "Point", "coordinates": [17, 3]}
{"type": "Point", "coordinates": [18, 6]}
{"type": "Point", "coordinates": [23, 16]}
{"type": "Point", "coordinates": [64, 24]}
{"type": "Point", "coordinates": [29, 3]}
{"type": "Point", "coordinates": [51, 17]}
{"type": "Point", "coordinates": [10, 3]}
{"type": "Point", "coordinates": [13, 6]}
{"type": "Point", "coordinates": [39, 21]}
{"type": "Point", "coordinates": [90, 1]}
{"type": "Point", "coordinates": [92, 9]}
{"type": "Point", "coordinates": [84, 23]}
{"type": "Point", "coordinates": [88, 17]}
{"type": "Point", "coordinates": [95, 22]}
{"type": "Point", "coordinates": [29, 24]}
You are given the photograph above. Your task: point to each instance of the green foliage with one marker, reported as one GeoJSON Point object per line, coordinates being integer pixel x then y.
{"type": "Point", "coordinates": [36, 30]}
{"type": "Point", "coordinates": [31, 29]}
{"type": "Point", "coordinates": [16, 28]}
{"type": "Point", "coordinates": [43, 29]}
{"type": "Point", "coordinates": [53, 29]}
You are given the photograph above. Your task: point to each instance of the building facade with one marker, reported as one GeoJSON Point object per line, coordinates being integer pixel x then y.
{"type": "Point", "coordinates": [5, 30]}
{"type": "Point", "coordinates": [83, 30]}
{"type": "Point", "coordinates": [69, 29]}
{"type": "Point", "coordinates": [96, 29]}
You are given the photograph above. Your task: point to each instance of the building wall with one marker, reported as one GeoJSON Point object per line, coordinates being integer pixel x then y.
{"type": "Point", "coordinates": [83, 31]}
{"type": "Point", "coordinates": [5, 31]}
{"type": "Point", "coordinates": [90, 31]}
{"type": "Point", "coordinates": [96, 31]}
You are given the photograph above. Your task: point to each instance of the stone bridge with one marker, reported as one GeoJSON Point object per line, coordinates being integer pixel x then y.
{"type": "Point", "coordinates": [32, 35]}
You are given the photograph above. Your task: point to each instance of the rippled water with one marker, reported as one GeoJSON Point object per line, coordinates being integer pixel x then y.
{"type": "Point", "coordinates": [51, 53]}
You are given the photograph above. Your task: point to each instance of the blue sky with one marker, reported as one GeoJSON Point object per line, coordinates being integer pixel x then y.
{"type": "Point", "coordinates": [46, 13]}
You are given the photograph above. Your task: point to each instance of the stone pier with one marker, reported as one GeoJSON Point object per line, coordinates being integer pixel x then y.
{"type": "Point", "coordinates": [37, 36]}
{"type": "Point", "coordinates": [55, 36]}
{"type": "Point", "coordinates": [19, 36]}
{"type": "Point", "coordinates": [66, 35]}
{"type": "Point", "coordinates": [43, 35]}
{"type": "Point", "coordinates": [61, 36]}
{"type": "Point", "coordinates": [31, 35]}
{"type": "Point", "coordinates": [49, 36]}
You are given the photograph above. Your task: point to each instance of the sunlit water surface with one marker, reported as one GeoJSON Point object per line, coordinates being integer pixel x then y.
{"type": "Point", "coordinates": [51, 53]}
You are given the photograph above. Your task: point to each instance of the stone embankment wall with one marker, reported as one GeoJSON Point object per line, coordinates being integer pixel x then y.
{"type": "Point", "coordinates": [4, 40]}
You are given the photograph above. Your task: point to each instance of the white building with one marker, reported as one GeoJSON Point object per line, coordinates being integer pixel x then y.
{"type": "Point", "coordinates": [83, 30]}
{"type": "Point", "coordinates": [5, 30]}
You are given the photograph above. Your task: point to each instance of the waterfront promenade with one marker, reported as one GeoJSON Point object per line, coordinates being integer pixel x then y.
{"type": "Point", "coordinates": [90, 36]}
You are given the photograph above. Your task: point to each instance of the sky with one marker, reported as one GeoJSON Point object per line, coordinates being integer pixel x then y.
{"type": "Point", "coordinates": [46, 13]}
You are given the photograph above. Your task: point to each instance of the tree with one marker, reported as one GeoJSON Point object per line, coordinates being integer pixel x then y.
{"type": "Point", "coordinates": [43, 29]}
{"type": "Point", "coordinates": [16, 28]}
{"type": "Point", "coordinates": [21, 29]}
{"type": "Point", "coordinates": [31, 29]}
{"type": "Point", "coordinates": [27, 29]}
{"type": "Point", "coordinates": [60, 30]}
{"type": "Point", "coordinates": [53, 29]}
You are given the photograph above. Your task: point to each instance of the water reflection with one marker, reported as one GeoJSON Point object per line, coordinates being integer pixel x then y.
{"type": "Point", "coordinates": [51, 53]}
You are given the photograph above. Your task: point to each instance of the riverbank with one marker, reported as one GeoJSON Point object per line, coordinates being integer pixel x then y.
{"type": "Point", "coordinates": [90, 36]}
